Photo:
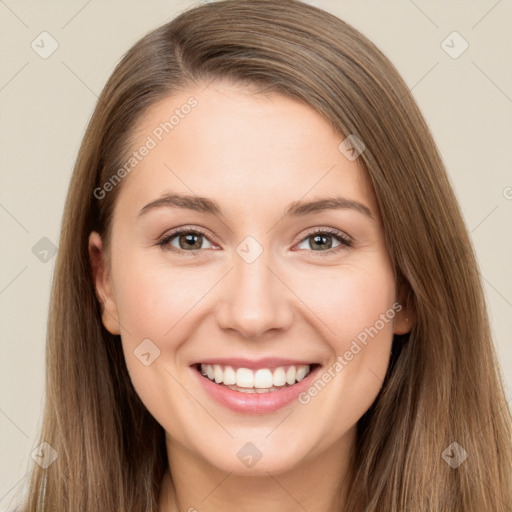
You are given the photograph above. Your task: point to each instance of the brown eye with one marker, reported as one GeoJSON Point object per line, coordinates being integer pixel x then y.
{"type": "Point", "coordinates": [322, 241]}
{"type": "Point", "coordinates": [184, 240]}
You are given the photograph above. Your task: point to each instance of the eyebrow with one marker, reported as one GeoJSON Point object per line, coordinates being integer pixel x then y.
{"type": "Point", "coordinates": [295, 209]}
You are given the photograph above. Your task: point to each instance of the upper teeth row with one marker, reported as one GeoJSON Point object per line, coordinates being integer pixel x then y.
{"type": "Point", "coordinates": [261, 378]}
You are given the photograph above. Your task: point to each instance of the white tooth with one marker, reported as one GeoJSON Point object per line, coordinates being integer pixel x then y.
{"type": "Point", "coordinates": [263, 378]}
{"type": "Point", "coordinates": [229, 377]}
{"type": "Point", "coordinates": [290, 375]}
{"type": "Point", "coordinates": [244, 378]}
{"type": "Point", "coordinates": [217, 372]}
{"type": "Point", "coordinates": [279, 377]}
{"type": "Point", "coordinates": [248, 390]}
{"type": "Point", "coordinates": [302, 371]}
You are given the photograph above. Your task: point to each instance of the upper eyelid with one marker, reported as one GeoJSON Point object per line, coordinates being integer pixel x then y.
{"type": "Point", "coordinates": [186, 229]}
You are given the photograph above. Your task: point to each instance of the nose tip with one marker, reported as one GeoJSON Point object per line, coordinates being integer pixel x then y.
{"type": "Point", "coordinates": [253, 300]}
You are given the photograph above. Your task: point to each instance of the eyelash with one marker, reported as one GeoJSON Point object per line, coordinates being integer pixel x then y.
{"type": "Point", "coordinates": [345, 241]}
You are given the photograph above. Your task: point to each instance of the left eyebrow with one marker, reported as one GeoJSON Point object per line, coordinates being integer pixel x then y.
{"type": "Point", "coordinates": [299, 208]}
{"type": "Point", "coordinates": [295, 209]}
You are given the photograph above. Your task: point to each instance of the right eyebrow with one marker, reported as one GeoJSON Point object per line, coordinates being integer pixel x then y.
{"type": "Point", "coordinates": [196, 203]}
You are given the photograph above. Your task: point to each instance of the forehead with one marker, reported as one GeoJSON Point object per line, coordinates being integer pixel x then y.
{"type": "Point", "coordinates": [228, 142]}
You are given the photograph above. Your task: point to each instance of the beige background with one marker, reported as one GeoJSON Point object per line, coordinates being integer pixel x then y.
{"type": "Point", "coordinates": [46, 104]}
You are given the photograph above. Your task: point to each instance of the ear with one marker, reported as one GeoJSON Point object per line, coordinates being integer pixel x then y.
{"type": "Point", "coordinates": [405, 319]}
{"type": "Point", "coordinates": [103, 283]}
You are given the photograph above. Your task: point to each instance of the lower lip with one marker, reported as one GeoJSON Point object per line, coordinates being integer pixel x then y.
{"type": "Point", "coordinates": [255, 403]}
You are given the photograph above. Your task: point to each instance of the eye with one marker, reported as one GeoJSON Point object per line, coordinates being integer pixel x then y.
{"type": "Point", "coordinates": [321, 240]}
{"type": "Point", "coordinates": [185, 240]}
{"type": "Point", "coordinates": [191, 240]}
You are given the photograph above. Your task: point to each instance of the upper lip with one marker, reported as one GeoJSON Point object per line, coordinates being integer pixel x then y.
{"type": "Point", "coordinates": [265, 362]}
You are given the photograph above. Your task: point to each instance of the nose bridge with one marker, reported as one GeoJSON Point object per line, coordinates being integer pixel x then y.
{"type": "Point", "coordinates": [256, 300]}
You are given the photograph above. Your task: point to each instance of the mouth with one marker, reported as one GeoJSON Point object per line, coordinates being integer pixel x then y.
{"type": "Point", "coordinates": [255, 380]}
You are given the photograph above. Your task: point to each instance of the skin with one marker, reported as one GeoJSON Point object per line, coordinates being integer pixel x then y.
{"type": "Point", "coordinates": [254, 154]}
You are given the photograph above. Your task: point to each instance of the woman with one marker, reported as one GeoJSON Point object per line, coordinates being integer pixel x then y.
{"type": "Point", "coordinates": [324, 345]}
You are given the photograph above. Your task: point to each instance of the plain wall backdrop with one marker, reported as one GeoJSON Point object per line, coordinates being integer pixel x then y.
{"type": "Point", "coordinates": [56, 57]}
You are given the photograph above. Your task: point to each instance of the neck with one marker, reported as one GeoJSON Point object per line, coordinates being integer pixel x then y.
{"type": "Point", "coordinates": [319, 484]}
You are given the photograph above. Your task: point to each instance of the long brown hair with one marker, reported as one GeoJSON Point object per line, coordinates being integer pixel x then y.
{"type": "Point", "coordinates": [443, 384]}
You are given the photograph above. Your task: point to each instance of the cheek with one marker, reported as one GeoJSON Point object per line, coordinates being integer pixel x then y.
{"type": "Point", "coordinates": [156, 303]}
{"type": "Point", "coordinates": [354, 309]}
{"type": "Point", "coordinates": [152, 299]}
{"type": "Point", "coordinates": [348, 301]}
{"type": "Point", "coordinates": [359, 311]}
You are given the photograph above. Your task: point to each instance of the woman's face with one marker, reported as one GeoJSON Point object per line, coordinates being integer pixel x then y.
{"type": "Point", "coordinates": [248, 284]}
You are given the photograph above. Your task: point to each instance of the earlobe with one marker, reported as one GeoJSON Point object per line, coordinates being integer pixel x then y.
{"type": "Point", "coordinates": [405, 319]}
{"type": "Point", "coordinates": [103, 284]}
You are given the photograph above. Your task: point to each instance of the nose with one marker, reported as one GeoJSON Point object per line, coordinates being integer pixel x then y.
{"type": "Point", "coordinates": [254, 299]}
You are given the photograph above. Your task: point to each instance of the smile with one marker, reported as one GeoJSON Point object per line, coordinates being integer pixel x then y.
{"type": "Point", "coordinates": [261, 380]}
{"type": "Point", "coordinates": [262, 389]}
